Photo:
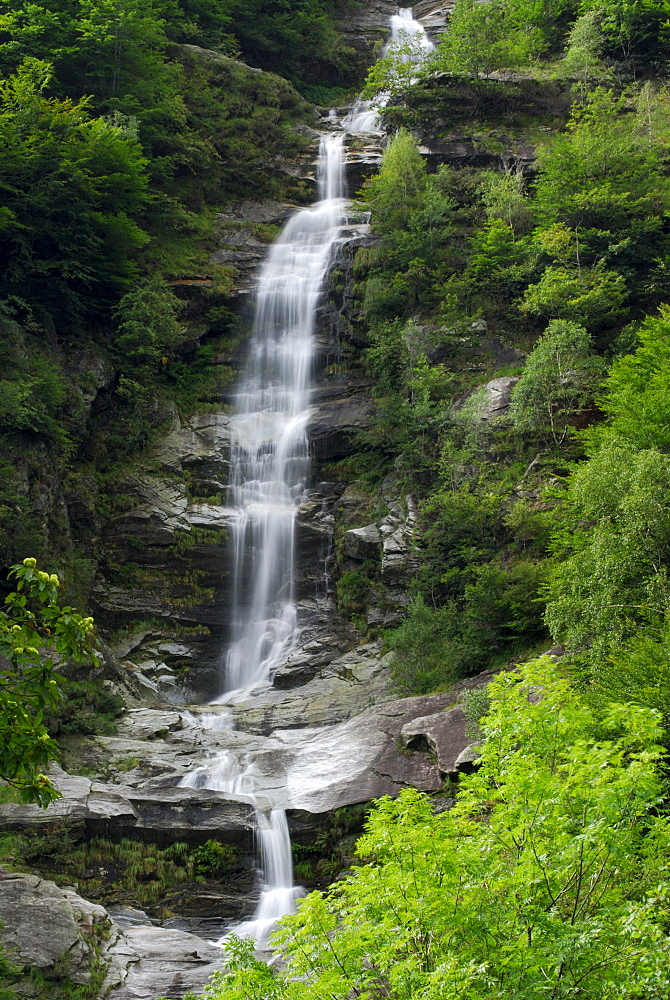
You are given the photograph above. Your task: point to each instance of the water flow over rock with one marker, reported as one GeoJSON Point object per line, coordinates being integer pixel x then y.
{"type": "Point", "coordinates": [364, 116]}
{"type": "Point", "coordinates": [269, 469]}
{"type": "Point", "coordinates": [269, 459]}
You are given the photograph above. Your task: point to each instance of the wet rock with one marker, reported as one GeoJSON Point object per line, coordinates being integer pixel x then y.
{"type": "Point", "coordinates": [433, 16]}
{"type": "Point", "coordinates": [398, 530]}
{"type": "Point", "coordinates": [242, 244]}
{"type": "Point", "coordinates": [366, 27]}
{"type": "Point", "coordinates": [159, 815]}
{"type": "Point", "coordinates": [200, 445]}
{"type": "Point", "coordinates": [167, 963]}
{"type": "Point", "coordinates": [331, 426]}
{"type": "Point", "coordinates": [347, 685]}
{"type": "Point", "coordinates": [465, 151]}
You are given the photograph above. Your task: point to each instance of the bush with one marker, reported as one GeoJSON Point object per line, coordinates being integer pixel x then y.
{"type": "Point", "coordinates": [213, 858]}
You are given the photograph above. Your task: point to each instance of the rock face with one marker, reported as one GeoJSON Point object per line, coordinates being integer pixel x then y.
{"type": "Point", "coordinates": [497, 397]}
{"type": "Point", "coordinates": [52, 929]}
{"type": "Point", "coordinates": [167, 962]}
{"type": "Point", "coordinates": [442, 734]}
{"type": "Point", "coordinates": [59, 933]}
{"type": "Point", "coordinates": [366, 27]}
{"type": "Point", "coordinates": [159, 816]}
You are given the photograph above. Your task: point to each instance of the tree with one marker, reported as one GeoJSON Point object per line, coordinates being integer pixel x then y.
{"type": "Point", "coordinates": [593, 296]}
{"type": "Point", "coordinates": [601, 181]}
{"type": "Point", "coordinates": [479, 40]}
{"type": "Point", "coordinates": [71, 185]}
{"type": "Point", "coordinates": [395, 191]}
{"type": "Point", "coordinates": [582, 59]}
{"type": "Point", "coordinates": [637, 396]}
{"type": "Point", "coordinates": [504, 198]}
{"type": "Point", "coordinates": [636, 33]}
{"type": "Point", "coordinates": [546, 880]}
{"type": "Point", "coordinates": [35, 635]}
{"type": "Point", "coordinates": [610, 580]}
{"type": "Point", "coordinates": [560, 379]}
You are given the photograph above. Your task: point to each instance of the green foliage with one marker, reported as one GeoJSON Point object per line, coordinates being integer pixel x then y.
{"type": "Point", "coordinates": [480, 40]}
{"type": "Point", "coordinates": [584, 50]}
{"type": "Point", "coordinates": [213, 858]}
{"type": "Point", "coordinates": [637, 395]}
{"type": "Point", "coordinates": [612, 579]}
{"type": "Point", "coordinates": [635, 35]}
{"type": "Point", "coordinates": [605, 181]}
{"type": "Point", "coordinates": [609, 594]}
{"type": "Point", "coordinates": [475, 703]}
{"type": "Point", "coordinates": [591, 296]}
{"type": "Point", "coordinates": [32, 388]}
{"type": "Point", "coordinates": [546, 879]}
{"type": "Point", "coordinates": [352, 590]}
{"type": "Point", "coordinates": [420, 645]}
{"type": "Point", "coordinates": [395, 191]}
{"type": "Point", "coordinates": [104, 870]}
{"type": "Point", "coordinates": [498, 612]}
{"type": "Point", "coordinates": [560, 379]}
{"type": "Point", "coordinates": [505, 198]}
{"type": "Point", "coordinates": [71, 186]}
{"type": "Point", "coordinates": [35, 634]}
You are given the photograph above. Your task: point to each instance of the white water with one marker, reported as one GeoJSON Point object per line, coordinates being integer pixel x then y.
{"type": "Point", "coordinates": [269, 460]}
{"type": "Point", "coordinates": [364, 116]}
{"type": "Point", "coordinates": [269, 469]}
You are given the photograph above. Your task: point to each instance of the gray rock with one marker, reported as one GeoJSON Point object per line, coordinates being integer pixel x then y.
{"type": "Point", "coordinates": [168, 963]}
{"type": "Point", "coordinates": [55, 930]}
{"type": "Point", "coordinates": [363, 543]}
{"type": "Point", "coordinates": [443, 735]}
{"type": "Point", "coordinates": [497, 397]}
{"type": "Point", "coordinates": [331, 426]}
{"type": "Point", "coordinates": [466, 761]}
{"type": "Point", "coordinates": [398, 530]}
{"type": "Point", "coordinates": [161, 815]}
{"type": "Point", "coordinates": [201, 445]}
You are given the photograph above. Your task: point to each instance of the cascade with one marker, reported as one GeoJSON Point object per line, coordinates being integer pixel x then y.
{"type": "Point", "coordinates": [268, 478]}
{"type": "Point", "coordinates": [269, 460]}
{"type": "Point", "coordinates": [269, 469]}
{"type": "Point", "coordinates": [364, 116]}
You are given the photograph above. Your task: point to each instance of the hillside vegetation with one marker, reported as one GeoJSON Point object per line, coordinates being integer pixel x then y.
{"type": "Point", "coordinates": [544, 525]}
{"type": "Point", "coordinates": [125, 126]}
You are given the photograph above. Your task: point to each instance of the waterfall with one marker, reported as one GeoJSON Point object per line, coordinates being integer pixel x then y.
{"type": "Point", "coordinates": [403, 23]}
{"type": "Point", "coordinates": [364, 116]}
{"type": "Point", "coordinates": [269, 460]}
{"type": "Point", "coordinates": [269, 470]}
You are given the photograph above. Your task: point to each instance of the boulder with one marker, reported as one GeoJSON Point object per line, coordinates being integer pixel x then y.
{"type": "Point", "coordinates": [497, 397]}
{"type": "Point", "coordinates": [363, 543]}
{"type": "Point", "coordinates": [168, 963]}
{"type": "Point", "coordinates": [58, 932]}
{"type": "Point", "coordinates": [68, 938]}
{"type": "Point", "coordinates": [466, 761]}
{"type": "Point", "coordinates": [442, 734]}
